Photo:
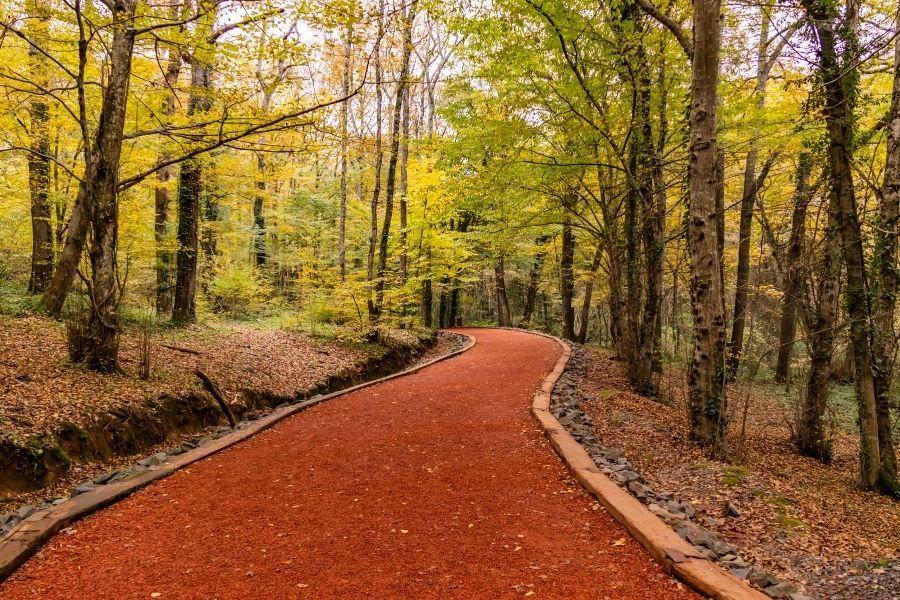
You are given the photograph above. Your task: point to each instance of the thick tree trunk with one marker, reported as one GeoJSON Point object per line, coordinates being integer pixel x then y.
{"type": "Point", "coordinates": [581, 336]}
{"type": "Point", "coordinates": [567, 279]}
{"type": "Point", "coordinates": [39, 156]}
{"type": "Point", "coordinates": [794, 275]}
{"type": "Point", "coordinates": [885, 339]}
{"type": "Point", "coordinates": [102, 343]}
{"type": "Point", "coordinates": [812, 438]}
{"type": "Point", "coordinates": [390, 183]}
{"type": "Point", "coordinates": [503, 315]}
{"type": "Point", "coordinates": [837, 112]}
{"type": "Point", "coordinates": [707, 400]}
{"type": "Point", "coordinates": [191, 192]}
{"type": "Point", "coordinates": [748, 201]}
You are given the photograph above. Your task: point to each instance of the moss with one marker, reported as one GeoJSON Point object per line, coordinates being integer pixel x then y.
{"type": "Point", "coordinates": [735, 475]}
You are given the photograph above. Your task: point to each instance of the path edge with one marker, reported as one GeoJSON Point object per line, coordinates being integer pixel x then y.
{"type": "Point", "coordinates": [32, 533]}
{"type": "Point", "coordinates": [676, 556]}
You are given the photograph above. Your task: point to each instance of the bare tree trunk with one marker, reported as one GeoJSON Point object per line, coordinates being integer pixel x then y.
{"type": "Point", "coordinates": [837, 112]}
{"type": "Point", "coordinates": [102, 343]}
{"type": "Point", "coordinates": [427, 299]}
{"type": "Point", "coordinates": [260, 253]}
{"type": "Point", "coordinates": [885, 340]}
{"type": "Point", "coordinates": [707, 373]}
{"type": "Point", "coordinates": [534, 279]}
{"type": "Point", "coordinates": [164, 256]}
{"type": "Point", "coordinates": [567, 279]}
{"type": "Point", "coordinates": [39, 156]}
{"type": "Point", "coordinates": [794, 276]}
{"type": "Point", "coordinates": [581, 336]}
{"type": "Point", "coordinates": [345, 91]}
{"type": "Point", "coordinates": [812, 439]}
{"type": "Point", "coordinates": [503, 315]}
{"type": "Point", "coordinates": [190, 191]}
{"type": "Point", "coordinates": [399, 96]}
{"type": "Point", "coordinates": [404, 162]}
{"type": "Point", "coordinates": [376, 191]}
{"type": "Point", "coordinates": [748, 201]}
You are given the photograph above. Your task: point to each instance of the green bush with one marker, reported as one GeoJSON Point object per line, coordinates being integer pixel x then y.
{"type": "Point", "coordinates": [237, 290]}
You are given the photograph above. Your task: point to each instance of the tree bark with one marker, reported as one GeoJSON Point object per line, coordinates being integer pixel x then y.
{"type": "Point", "coordinates": [706, 379]}
{"type": "Point", "coordinates": [102, 343]}
{"type": "Point", "coordinates": [345, 154]}
{"type": "Point", "coordinates": [376, 189]}
{"type": "Point", "coordinates": [812, 438]}
{"type": "Point", "coordinates": [390, 183]}
{"type": "Point", "coordinates": [581, 336]}
{"type": "Point", "coordinates": [748, 201]}
{"type": "Point", "coordinates": [39, 156]}
{"type": "Point", "coordinates": [161, 231]}
{"type": "Point", "coordinates": [839, 92]}
{"type": "Point", "coordinates": [885, 339]}
{"type": "Point", "coordinates": [567, 279]}
{"type": "Point", "coordinates": [191, 186]}
{"type": "Point", "coordinates": [794, 275]}
{"type": "Point", "coordinates": [404, 181]}
{"type": "Point", "coordinates": [427, 299]}
{"type": "Point", "coordinates": [534, 279]}
{"type": "Point", "coordinates": [503, 315]}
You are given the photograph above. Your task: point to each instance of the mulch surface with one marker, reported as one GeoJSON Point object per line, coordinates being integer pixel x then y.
{"type": "Point", "coordinates": [436, 485]}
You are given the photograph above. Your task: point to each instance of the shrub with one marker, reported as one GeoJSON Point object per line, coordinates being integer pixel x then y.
{"type": "Point", "coordinates": [237, 290]}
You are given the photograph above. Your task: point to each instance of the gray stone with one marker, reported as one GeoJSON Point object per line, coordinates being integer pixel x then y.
{"type": "Point", "coordinates": [799, 596]}
{"type": "Point", "coordinates": [639, 489]}
{"type": "Point", "coordinates": [683, 507]}
{"type": "Point", "coordinates": [762, 579]}
{"type": "Point", "coordinates": [104, 479]}
{"type": "Point", "coordinates": [780, 590]}
{"type": "Point", "coordinates": [740, 572]}
{"type": "Point", "coordinates": [731, 510]}
{"type": "Point", "coordinates": [628, 476]}
{"type": "Point", "coordinates": [25, 511]}
{"type": "Point", "coordinates": [83, 488]}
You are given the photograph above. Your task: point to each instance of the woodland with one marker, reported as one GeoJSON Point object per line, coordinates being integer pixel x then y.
{"type": "Point", "coordinates": [708, 191]}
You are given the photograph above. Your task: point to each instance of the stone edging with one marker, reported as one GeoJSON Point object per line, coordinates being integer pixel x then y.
{"type": "Point", "coordinates": [33, 532]}
{"type": "Point", "coordinates": [675, 555]}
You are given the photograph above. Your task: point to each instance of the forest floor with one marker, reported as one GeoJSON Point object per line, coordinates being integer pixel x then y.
{"type": "Point", "coordinates": [805, 521]}
{"type": "Point", "coordinates": [98, 421]}
{"type": "Point", "coordinates": [438, 484]}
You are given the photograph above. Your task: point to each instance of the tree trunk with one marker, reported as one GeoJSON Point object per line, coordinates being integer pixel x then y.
{"type": "Point", "coordinates": [581, 336]}
{"type": "Point", "coordinates": [567, 279]}
{"type": "Point", "coordinates": [345, 155]}
{"type": "Point", "coordinates": [794, 276]}
{"type": "Point", "coordinates": [748, 201]}
{"type": "Point", "coordinates": [503, 314]}
{"type": "Point", "coordinates": [39, 156]}
{"type": "Point", "coordinates": [191, 189]}
{"type": "Point", "coordinates": [885, 346]}
{"type": "Point", "coordinates": [534, 279]}
{"type": "Point", "coordinates": [376, 190]}
{"type": "Point", "coordinates": [706, 380]}
{"type": "Point", "coordinates": [812, 439]}
{"type": "Point", "coordinates": [839, 91]}
{"type": "Point", "coordinates": [164, 256]}
{"type": "Point", "coordinates": [260, 254]}
{"type": "Point", "coordinates": [102, 343]}
{"type": "Point", "coordinates": [427, 299]}
{"type": "Point", "coordinates": [404, 162]}
{"type": "Point", "coordinates": [400, 94]}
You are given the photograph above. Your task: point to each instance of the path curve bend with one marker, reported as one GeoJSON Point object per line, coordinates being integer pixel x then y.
{"type": "Point", "coordinates": [435, 485]}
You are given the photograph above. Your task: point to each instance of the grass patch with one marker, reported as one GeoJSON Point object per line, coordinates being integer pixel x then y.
{"type": "Point", "coordinates": [735, 475]}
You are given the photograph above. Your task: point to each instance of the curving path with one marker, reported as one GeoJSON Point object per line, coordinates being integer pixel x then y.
{"type": "Point", "coordinates": [435, 485]}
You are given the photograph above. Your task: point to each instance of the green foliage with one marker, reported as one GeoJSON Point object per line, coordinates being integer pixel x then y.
{"type": "Point", "coordinates": [238, 290]}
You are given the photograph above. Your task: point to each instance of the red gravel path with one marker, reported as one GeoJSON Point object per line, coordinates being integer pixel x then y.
{"type": "Point", "coordinates": [436, 485]}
